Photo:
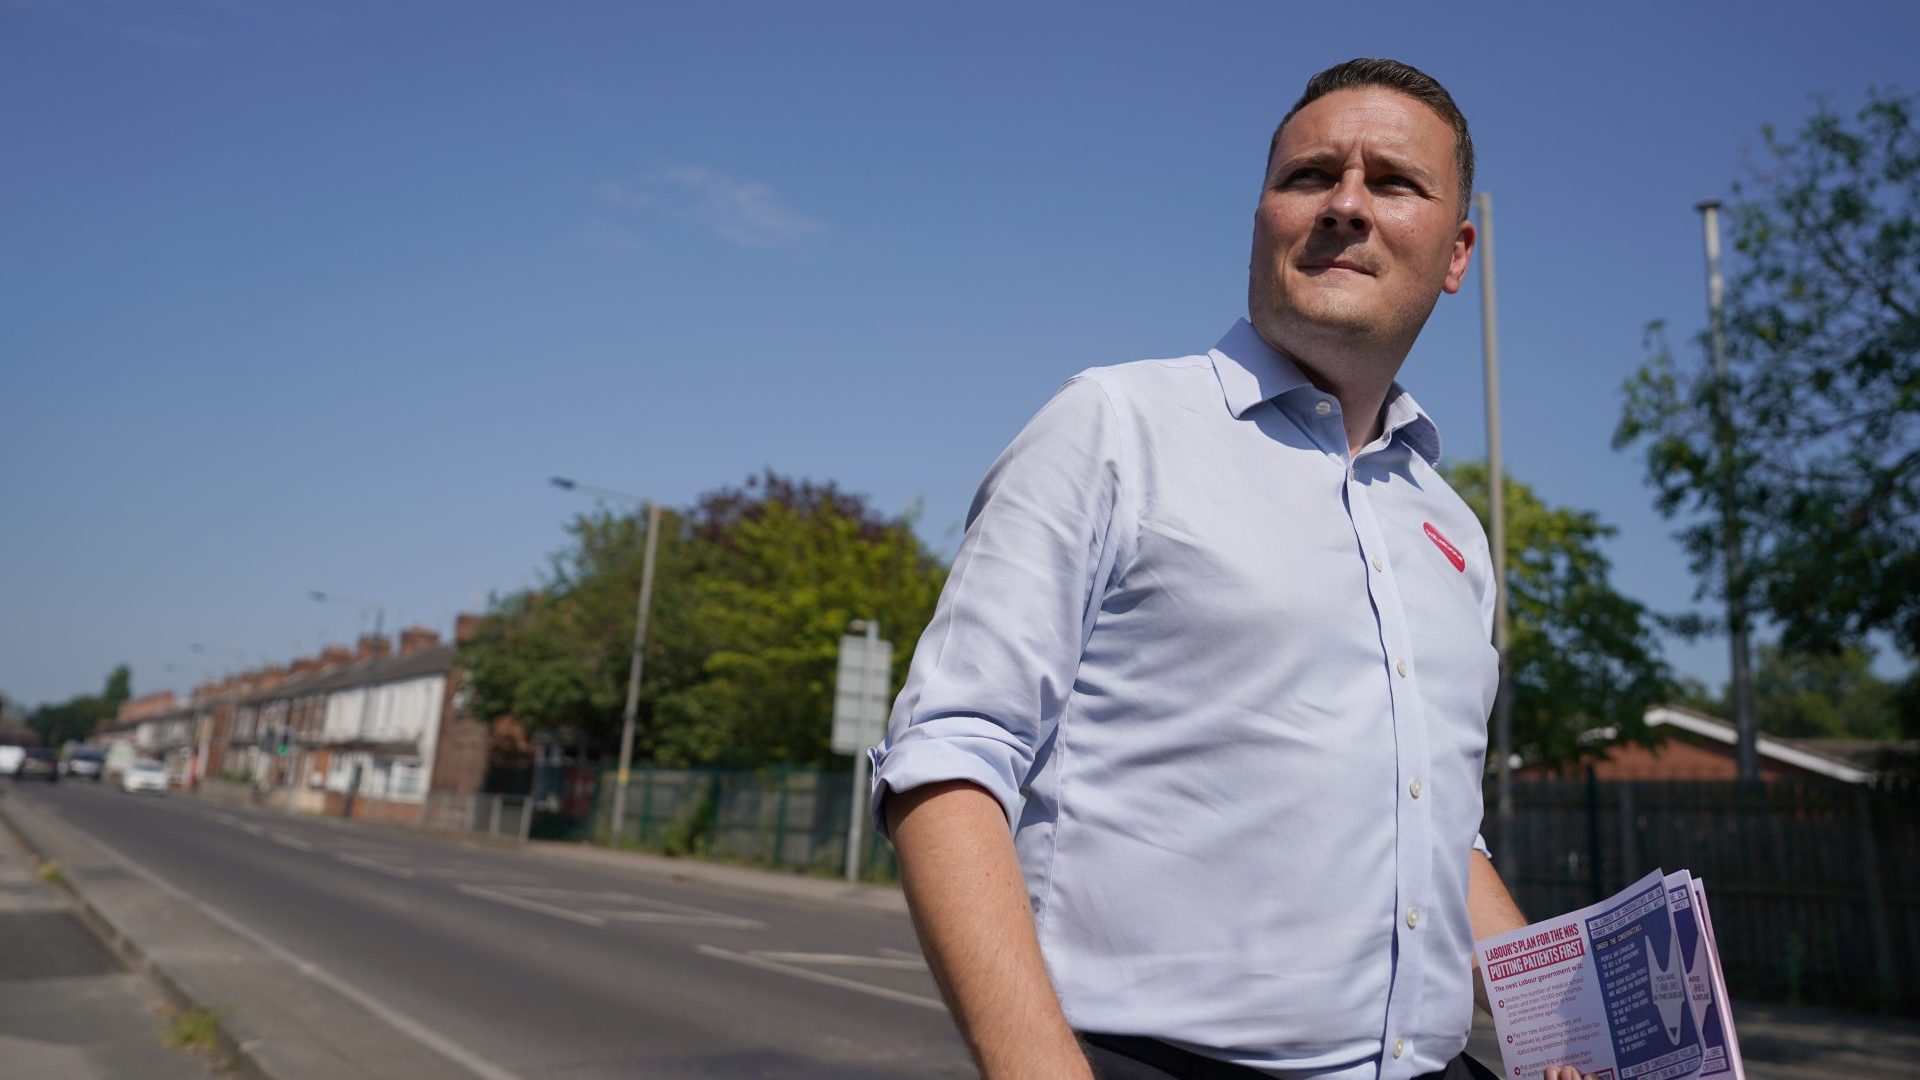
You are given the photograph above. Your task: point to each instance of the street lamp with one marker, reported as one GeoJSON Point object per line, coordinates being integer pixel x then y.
{"type": "Point", "coordinates": [639, 644]}
{"type": "Point", "coordinates": [1497, 525]}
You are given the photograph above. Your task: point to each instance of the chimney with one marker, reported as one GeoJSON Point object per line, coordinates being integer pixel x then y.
{"type": "Point", "coordinates": [334, 656]}
{"type": "Point", "coordinates": [306, 665]}
{"type": "Point", "coordinates": [465, 625]}
{"type": "Point", "coordinates": [415, 638]}
{"type": "Point", "coordinates": [372, 647]}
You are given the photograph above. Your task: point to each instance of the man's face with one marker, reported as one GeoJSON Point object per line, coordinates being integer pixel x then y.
{"type": "Point", "coordinates": [1358, 230]}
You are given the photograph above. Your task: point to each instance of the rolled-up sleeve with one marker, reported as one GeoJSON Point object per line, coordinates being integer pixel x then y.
{"type": "Point", "coordinates": [996, 664]}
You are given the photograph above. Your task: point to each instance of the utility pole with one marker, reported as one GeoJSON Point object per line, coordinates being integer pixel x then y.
{"type": "Point", "coordinates": [619, 824]}
{"type": "Point", "coordinates": [366, 690]}
{"type": "Point", "coordinates": [1740, 688]}
{"type": "Point", "coordinates": [633, 674]}
{"type": "Point", "coordinates": [1497, 522]}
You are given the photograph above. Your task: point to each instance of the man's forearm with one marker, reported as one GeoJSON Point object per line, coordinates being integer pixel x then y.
{"type": "Point", "coordinates": [969, 904]}
{"type": "Point", "coordinates": [1491, 910]}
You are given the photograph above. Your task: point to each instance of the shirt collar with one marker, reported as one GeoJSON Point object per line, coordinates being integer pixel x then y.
{"type": "Point", "coordinates": [1251, 371]}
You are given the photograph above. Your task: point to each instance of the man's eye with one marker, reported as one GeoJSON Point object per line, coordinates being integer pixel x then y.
{"type": "Point", "coordinates": [1307, 174]}
{"type": "Point", "coordinates": [1397, 181]}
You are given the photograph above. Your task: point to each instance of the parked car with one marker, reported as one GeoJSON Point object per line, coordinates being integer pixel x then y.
{"type": "Point", "coordinates": [10, 758]}
{"type": "Point", "coordinates": [39, 763]}
{"type": "Point", "coordinates": [86, 764]}
{"type": "Point", "coordinates": [144, 776]}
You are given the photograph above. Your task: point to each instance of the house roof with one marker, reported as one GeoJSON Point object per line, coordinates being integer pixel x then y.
{"type": "Point", "coordinates": [1799, 753]}
{"type": "Point", "coordinates": [434, 659]}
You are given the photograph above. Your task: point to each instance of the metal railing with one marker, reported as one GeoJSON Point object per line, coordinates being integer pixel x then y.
{"type": "Point", "coordinates": [780, 816]}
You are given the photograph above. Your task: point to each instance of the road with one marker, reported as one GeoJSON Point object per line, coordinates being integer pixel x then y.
{"type": "Point", "coordinates": [544, 968]}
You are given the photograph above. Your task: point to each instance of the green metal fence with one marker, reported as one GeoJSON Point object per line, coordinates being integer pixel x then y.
{"type": "Point", "coordinates": [792, 818]}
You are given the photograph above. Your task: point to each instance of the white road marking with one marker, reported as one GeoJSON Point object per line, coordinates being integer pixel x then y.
{"type": "Point", "coordinates": [901, 954]}
{"type": "Point", "coordinates": [820, 959]}
{"type": "Point", "coordinates": [293, 842]}
{"type": "Point", "coordinates": [752, 960]}
{"type": "Point", "coordinates": [400, 1021]}
{"type": "Point", "coordinates": [250, 827]}
{"type": "Point", "coordinates": [667, 917]}
{"type": "Point", "coordinates": [531, 905]}
{"type": "Point", "coordinates": [618, 906]}
{"type": "Point", "coordinates": [372, 864]}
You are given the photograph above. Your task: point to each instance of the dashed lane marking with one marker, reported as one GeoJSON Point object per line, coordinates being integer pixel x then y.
{"type": "Point", "coordinates": [626, 907]}
{"type": "Point", "coordinates": [531, 905]}
{"type": "Point", "coordinates": [762, 962]}
{"type": "Point", "coordinates": [815, 959]}
{"type": "Point", "coordinates": [372, 864]}
{"type": "Point", "coordinates": [293, 842]}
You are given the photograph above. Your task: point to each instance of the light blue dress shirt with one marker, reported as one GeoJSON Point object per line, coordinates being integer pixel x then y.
{"type": "Point", "coordinates": [1231, 689]}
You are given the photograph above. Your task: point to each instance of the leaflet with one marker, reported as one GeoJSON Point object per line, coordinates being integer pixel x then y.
{"type": "Point", "coordinates": [1602, 988]}
{"type": "Point", "coordinates": [1722, 1014]}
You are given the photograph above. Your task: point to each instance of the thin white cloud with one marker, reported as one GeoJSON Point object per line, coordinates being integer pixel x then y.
{"type": "Point", "coordinates": [744, 213]}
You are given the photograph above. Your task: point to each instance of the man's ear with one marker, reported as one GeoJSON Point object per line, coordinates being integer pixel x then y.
{"type": "Point", "coordinates": [1462, 254]}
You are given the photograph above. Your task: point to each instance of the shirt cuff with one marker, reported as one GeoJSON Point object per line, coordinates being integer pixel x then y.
{"type": "Point", "coordinates": [1480, 845]}
{"type": "Point", "coordinates": [925, 756]}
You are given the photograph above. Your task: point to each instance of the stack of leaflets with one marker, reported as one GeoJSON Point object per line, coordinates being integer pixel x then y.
{"type": "Point", "coordinates": [1629, 988]}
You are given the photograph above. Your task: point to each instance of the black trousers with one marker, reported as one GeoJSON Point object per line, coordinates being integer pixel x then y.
{"type": "Point", "coordinates": [1129, 1057]}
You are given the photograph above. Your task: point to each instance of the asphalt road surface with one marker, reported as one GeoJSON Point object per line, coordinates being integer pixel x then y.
{"type": "Point", "coordinates": [544, 968]}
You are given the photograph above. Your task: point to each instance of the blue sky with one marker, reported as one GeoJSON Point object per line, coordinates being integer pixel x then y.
{"type": "Point", "coordinates": [298, 296]}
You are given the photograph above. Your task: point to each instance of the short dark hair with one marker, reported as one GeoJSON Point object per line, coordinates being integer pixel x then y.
{"type": "Point", "coordinates": [1406, 79]}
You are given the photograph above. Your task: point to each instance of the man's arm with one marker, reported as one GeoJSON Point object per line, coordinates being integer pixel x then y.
{"type": "Point", "coordinates": [1491, 910]}
{"type": "Point", "coordinates": [969, 904]}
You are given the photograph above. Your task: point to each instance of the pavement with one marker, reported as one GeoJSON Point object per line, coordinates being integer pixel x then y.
{"type": "Point", "coordinates": [69, 1010]}
{"type": "Point", "coordinates": [689, 986]}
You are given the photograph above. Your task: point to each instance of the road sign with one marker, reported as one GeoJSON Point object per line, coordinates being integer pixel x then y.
{"type": "Point", "coordinates": [863, 693]}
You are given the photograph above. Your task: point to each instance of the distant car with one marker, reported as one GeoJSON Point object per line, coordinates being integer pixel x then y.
{"type": "Point", "coordinates": [39, 764]}
{"type": "Point", "coordinates": [10, 758]}
{"type": "Point", "coordinates": [86, 764]}
{"type": "Point", "coordinates": [144, 776]}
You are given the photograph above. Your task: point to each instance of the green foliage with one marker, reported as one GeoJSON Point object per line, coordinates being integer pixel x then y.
{"type": "Point", "coordinates": [74, 719]}
{"type": "Point", "coordinates": [1822, 457]}
{"type": "Point", "coordinates": [1818, 696]}
{"type": "Point", "coordinates": [753, 588]}
{"type": "Point", "coordinates": [1581, 655]}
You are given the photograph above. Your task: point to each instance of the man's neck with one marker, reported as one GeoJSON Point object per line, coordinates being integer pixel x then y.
{"type": "Point", "coordinates": [1360, 383]}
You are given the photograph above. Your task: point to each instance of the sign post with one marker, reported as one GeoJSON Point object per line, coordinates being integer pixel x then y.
{"type": "Point", "coordinates": [860, 700]}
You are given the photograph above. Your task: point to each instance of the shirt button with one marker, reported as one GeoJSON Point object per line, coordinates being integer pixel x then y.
{"type": "Point", "coordinates": [1399, 1047]}
{"type": "Point", "coordinates": [1414, 788]}
{"type": "Point", "coordinates": [1413, 917]}
{"type": "Point", "coordinates": [1379, 566]}
{"type": "Point", "coordinates": [1321, 407]}
{"type": "Point", "coordinates": [1401, 667]}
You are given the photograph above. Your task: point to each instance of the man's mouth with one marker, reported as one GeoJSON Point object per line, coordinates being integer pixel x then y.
{"type": "Point", "coordinates": [1322, 266]}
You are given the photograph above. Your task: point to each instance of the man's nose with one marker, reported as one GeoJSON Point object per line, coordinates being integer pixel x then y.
{"type": "Point", "coordinates": [1348, 210]}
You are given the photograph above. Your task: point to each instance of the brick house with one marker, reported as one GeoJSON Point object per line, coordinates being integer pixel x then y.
{"type": "Point", "coordinates": [372, 733]}
{"type": "Point", "coordinates": [1702, 747]}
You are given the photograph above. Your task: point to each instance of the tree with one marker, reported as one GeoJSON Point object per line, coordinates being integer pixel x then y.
{"type": "Point", "coordinates": [1581, 656]}
{"type": "Point", "coordinates": [754, 586]}
{"type": "Point", "coordinates": [74, 719]}
{"type": "Point", "coordinates": [1823, 386]}
{"type": "Point", "coordinates": [1818, 696]}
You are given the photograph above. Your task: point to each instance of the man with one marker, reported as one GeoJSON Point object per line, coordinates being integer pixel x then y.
{"type": "Point", "coordinates": [1216, 647]}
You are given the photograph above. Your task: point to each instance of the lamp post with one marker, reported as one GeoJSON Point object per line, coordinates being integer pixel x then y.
{"type": "Point", "coordinates": [1740, 682]}
{"type": "Point", "coordinates": [366, 692]}
{"type": "Point", "coordinates": [1497, 523]}
{"type": "Point", "coordinates": [619, 824]}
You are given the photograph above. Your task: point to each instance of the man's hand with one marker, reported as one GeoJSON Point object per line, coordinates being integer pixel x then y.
{"type": "Point", "coordinates": [1565, 1072]}
{"type": "Point", "coordinates": [969, 904]}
